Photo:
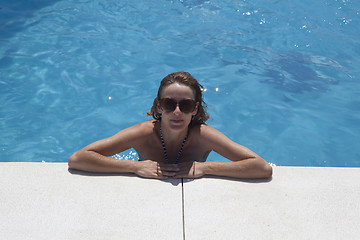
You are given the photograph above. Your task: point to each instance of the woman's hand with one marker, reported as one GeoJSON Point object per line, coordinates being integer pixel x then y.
{"type": "Point", "coordinates": [190, 170]}
{"type": "Point", "coordinates": [152, 169]}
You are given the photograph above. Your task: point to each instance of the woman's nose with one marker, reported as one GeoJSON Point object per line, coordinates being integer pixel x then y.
{"type": "Point", "coordinates": [177, 109]}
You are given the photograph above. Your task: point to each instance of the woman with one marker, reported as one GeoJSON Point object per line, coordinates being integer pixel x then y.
{"type": "Point", "coordinates": [175, 144]}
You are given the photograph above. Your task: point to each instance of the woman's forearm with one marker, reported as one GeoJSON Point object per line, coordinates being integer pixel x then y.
{"type": "Point", "coordinates": [91, 161]}
{"type": "Point", "coordinates": [247, 168]}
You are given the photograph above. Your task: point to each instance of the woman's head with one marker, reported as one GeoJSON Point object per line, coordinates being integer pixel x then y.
{"type": "Point", "coordinates": [185, 79]}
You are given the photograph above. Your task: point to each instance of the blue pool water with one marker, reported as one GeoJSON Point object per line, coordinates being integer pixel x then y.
{"type": "Point", "coordinates": [281, 77]}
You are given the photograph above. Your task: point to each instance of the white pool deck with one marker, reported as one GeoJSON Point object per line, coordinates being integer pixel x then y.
{"type": "Point", "coordinates": [47, 201]}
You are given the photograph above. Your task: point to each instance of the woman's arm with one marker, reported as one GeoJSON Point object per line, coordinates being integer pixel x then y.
{"type": "Point", "coordinates": [245, 163]}
{"type": "Point", "coordinates": [94, 157]}
{"type": "Point", "coordinates": [90, 160]}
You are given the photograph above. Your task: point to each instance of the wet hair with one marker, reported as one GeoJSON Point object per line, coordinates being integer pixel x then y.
{"type": "Point", "coordinates": [182, 78]}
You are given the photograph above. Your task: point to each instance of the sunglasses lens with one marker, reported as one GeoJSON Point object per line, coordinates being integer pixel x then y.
{"type": "Point", "coordinates": [187, 105]}
{"type": "Point", "coordinates": [169, 105]}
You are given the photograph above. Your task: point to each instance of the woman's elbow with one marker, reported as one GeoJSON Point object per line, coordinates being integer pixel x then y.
{"type": "Point", "coordinates": [267, 171]}
{"type": "Point", "coordinates": [73, 161]}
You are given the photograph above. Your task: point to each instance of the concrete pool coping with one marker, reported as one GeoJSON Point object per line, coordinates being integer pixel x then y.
{"type": "Point", "coordinates": [47, 201]}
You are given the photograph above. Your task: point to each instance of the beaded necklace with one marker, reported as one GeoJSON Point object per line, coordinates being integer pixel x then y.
{"type": "Point", "coordinates": [164, 148]}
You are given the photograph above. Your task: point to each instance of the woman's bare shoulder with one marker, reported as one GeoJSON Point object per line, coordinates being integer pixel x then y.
{"type": "Point", "coordinates": [141, 129]}
{"type": "Point", "coordinates": [210, 136]}
{"type": "Point", "coordinates": [132, 136]}
{"type": "Point", "coordinates": [207, 131]}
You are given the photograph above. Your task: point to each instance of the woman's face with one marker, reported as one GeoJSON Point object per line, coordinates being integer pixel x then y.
{"type": "Point", "coordinates": [177, 119]}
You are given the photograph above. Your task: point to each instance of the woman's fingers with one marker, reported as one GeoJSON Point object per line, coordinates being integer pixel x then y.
{"type": "Point", "coordinates": [169, 167]}
{"type": "Point", "coordinates": [152, 169]}
{"type": "Point", "coordinates": [168, 170]}
{"type": "Point", "coordinates": [190, 170]}
{"type": "Point", "coordinates": [149, 169]}
{"type": "Point", "coordinates": [185, 170]}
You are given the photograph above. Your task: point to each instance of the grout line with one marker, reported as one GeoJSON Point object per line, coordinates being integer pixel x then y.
{"type": "Point", "coordinates": [183, 207]}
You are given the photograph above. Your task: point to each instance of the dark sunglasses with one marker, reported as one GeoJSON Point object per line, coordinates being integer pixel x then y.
{"type": "Point", "coordinates": [169, 105]}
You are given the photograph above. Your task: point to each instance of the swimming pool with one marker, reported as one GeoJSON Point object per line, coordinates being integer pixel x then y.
{"type": "Point", "coordinates": [281, 78]}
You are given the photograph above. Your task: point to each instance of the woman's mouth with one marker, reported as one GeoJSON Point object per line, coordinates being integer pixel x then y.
{"type": "Point", "coordinates": [176, 120]}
